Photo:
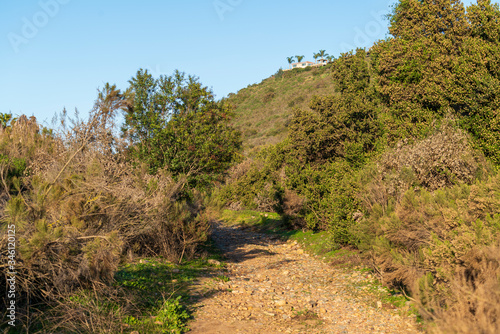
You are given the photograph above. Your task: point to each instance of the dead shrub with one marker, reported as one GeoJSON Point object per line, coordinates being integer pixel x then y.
{"type": "Point", "coordinates": [440, 247]}
{"type": "Point", "coordinates": [431, 229]}
{"type": "Point", "coordinates": [267, 97]}
{"type": "Point", "coordinates": [292, 205]}
{"type": "Point", "coordinates": [473, 301]}
{"type": "Point", "coordinates": [80, 206]}
{"type": "Point", "coordinates": [238, 171]}
{"type": "Point", "coordinates": [441, 160]}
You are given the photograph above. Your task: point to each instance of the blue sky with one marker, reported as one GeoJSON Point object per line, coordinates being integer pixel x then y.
{"type": "Point", "coordinates": [57, 53]}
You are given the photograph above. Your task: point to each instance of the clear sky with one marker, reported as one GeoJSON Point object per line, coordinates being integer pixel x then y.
{"type": "Point", "coordinates": [56, 53]}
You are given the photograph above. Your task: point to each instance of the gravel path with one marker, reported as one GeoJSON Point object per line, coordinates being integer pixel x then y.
{"type": "Point", "coordinates": [275, 287]}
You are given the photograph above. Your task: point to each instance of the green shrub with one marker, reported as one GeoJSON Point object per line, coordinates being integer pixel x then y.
{"type": "Point", "coordinates": [82, 206]}
{"type": "Point", "coordinates": [251, 186]}
{"type": "Point", "coordinates": [330, 197]}
{"type": "Point", "coordinates": [428, 241]}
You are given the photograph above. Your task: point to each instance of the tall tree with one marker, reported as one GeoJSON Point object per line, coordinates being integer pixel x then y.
{"type": "Point", "coordinates": [351, 72]}
{"type": "Point", "coordinates": [477, 78]}
{"type": "Point", "coordinates": [299, 58]}
{"type": "Point", "coordinates": [175, 123]}
{"type": "Point", "coordinates": [416, 65]}
{"type": "Point", "coordinates": [290, 61]}
{"type": "Point", "coordinates": [322, 54]}
{"type": "Point", "coordinates": [413, 19]}
{"type": "Point", "coordinates": [484, 18]}
{"type": "Point", "coordinates": [316, 56]}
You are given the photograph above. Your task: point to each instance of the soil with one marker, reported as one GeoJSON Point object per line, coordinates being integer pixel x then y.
{"type": "Point", "coordinates": [273, 286]}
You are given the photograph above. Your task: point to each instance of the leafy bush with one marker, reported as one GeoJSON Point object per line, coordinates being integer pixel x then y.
{"type": "Point", "coordinates": [429, 241]}
{"type": "Point", "coordinates": [251, 185]}
{"type": "Point", "coordinates": [330, 197]}
{"type": "Point", "coordinates": [175, 123]}
{"type": "Point", "coordinates": [80, 205]}
{"type": "Point", "coordinates": [334, 129]}
{"type": "Point", "coordinates": [171, 318]}
{"type": "Point", "coordinates": [351, 72]}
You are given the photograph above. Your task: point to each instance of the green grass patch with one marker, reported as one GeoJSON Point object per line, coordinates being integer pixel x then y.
{"type": "Point", "coordinates": [148, 295]}
{"type": "Point", "coordinates": [321, 244]}
{"type": "Point", "coordinates": [160, 292]}
{"type": "Point", "coordinates": [263, 222]}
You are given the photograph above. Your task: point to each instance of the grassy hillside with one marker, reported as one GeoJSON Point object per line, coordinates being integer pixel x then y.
{"type": "Point", "coordinates": [402, 162]}
{"type": "Point", "coordinates": [263, 110]}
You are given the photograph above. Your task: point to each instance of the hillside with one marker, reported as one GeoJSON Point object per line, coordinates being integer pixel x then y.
{"type": "Point", "coordinates": [263, 109]}
{"type": "Point", "coordinates": [401, 163]}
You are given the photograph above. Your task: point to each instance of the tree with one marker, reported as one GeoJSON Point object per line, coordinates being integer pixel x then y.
{"type": "Point", "coordinates": [416, 65]}
{"type": "Point", "coordinates": [5, 119]}
{"type": "Point", "coordinates": [290, 61]}
{"type": "Point", "coordinates": [322, 54]}
{"type": "Point", "coordinates": [477, 78]}
{"type": "Point", "coordinates": [484, 18]}
{"type": "Point", "coordinates": [175, 123]}
{"type": "Point", "coordinates": [413, 19]}
{"type": "Point", "coordinates": [299, 58]}
{"type": "Point", "coordinates": [316, 56]}
{"type": "Point", "coordinates": [351, 72]}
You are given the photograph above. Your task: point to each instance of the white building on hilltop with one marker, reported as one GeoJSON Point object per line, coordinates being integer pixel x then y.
{"type": "Point", "coordinates": [304, 64]}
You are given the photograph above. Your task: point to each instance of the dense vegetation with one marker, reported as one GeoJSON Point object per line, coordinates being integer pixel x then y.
{"type": "Point", "coordinates": [84, 200]}
{"type": "Point", "coordinates": [175, 122]}
{"type": "Point", "coordinates": [394, 151]}
{"type": "Point", "coordinates": [401, 161]}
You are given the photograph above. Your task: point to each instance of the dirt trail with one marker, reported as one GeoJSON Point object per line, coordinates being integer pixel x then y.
{"type": "Point", "coordinates": [275, 287]}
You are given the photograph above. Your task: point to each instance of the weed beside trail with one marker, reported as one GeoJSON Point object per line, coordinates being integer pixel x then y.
{"type": "Point", "coordinates": [80, 207]}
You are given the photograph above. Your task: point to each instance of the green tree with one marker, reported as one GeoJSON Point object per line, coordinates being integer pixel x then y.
{"type": "Point", "coordinates": [416, 65]}
{"type": "Point", "coordinates": [290, 61]}
{"type": "Point", "coordinates": [351, 72]}
{"type": "Point", "coordinates": [339, 126]}
{"type": "Point", "coordinates": [299, 58]}
{"type": "Point", "coordinates": [316, 56]}
{"type": "Point", "coordinates": [484, 18]}
{"type": "Point", "coordinates": [477, 78]}
{"type": "Point", "coordinates": [175, 123]}
{"type": "Point", "coordinates": [5, 119]}
{"type": "Point", "coordinates": [322, 54]}
{"type": "Point", "coordinates": [414, 19]}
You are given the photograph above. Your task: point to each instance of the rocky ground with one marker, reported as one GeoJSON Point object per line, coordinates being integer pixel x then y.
{"type": "Point", "coordinates": [271, 286]}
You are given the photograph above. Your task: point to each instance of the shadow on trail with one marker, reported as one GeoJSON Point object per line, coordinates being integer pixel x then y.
{"type": "Point", "coordinates": [232, 242]}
